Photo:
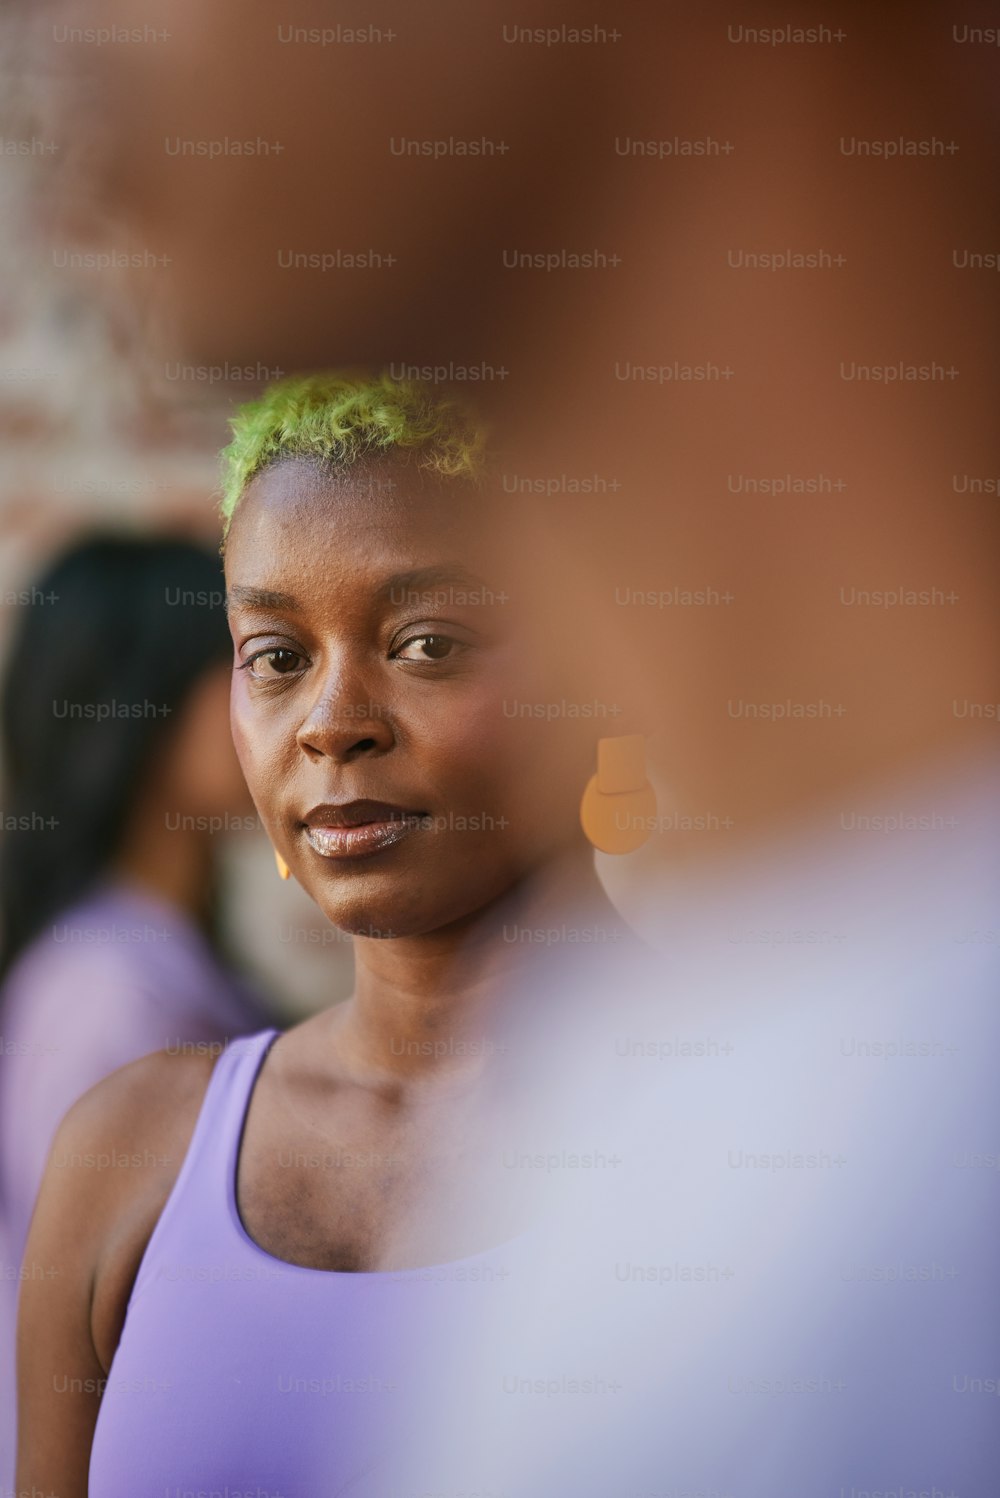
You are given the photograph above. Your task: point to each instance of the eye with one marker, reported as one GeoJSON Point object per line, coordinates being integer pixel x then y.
{"type": "Point", "coordinates": [269, 665]}
{"type": "Point", "coordinates": [435, 647]}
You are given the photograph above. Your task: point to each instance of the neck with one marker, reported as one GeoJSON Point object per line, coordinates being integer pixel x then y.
{"type": "Point", "coordinates": [430, 1013]}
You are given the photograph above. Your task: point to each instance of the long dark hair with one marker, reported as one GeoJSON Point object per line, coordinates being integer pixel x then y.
{"type": "Point", "coordinates": [110, 641]}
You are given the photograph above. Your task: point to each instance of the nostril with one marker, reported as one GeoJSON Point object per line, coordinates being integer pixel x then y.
{"type": "Point", "coordinates": [332, 740]}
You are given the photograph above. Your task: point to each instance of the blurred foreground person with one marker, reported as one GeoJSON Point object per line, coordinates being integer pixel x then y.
{"type": "Point", "coordinates": [119, 770]}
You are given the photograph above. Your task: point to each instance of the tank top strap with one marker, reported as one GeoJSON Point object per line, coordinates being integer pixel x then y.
{"type": "Point", "coordinates": [198, 1230]}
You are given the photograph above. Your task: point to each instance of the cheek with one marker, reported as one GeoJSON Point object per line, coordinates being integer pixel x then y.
{"type": "Point", "coordinates": [257, 748]}
{"type": "Point", "coordinates": [237, 726]}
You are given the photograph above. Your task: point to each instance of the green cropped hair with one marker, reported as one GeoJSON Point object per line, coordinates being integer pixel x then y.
{"type": "Point", "coordinates": [343, 418]}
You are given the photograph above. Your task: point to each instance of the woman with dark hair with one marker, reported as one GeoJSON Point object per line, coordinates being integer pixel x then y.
{"type": "Point", "coordinates": [118, 769]}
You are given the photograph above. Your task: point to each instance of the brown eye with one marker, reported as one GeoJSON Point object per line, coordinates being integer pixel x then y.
{"type": "Point", "coordinates": [434, 647]}
{"type": "Point", "coordinates": [268, 664]}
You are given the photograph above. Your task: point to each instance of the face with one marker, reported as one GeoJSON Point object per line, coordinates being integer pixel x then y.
{"type": "Point", "coordinates": [385, 653]}
{"type": "Point", "coordinates": [196, 773]}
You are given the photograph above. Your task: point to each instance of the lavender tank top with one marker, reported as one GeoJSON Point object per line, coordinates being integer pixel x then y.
{"type": "Point", "coordinates": [238, 1373]}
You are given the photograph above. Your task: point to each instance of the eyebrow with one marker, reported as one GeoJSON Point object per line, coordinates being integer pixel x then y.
{"type": "Point", "coordinates": [259, 598]}
{"type": "Point", "coordinates": [417, 579]}
{"type": "Point", "coordinates": [422, 579]}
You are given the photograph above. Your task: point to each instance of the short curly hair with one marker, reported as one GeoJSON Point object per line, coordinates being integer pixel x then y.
{"type": "Point", "coordinates": [342, 418]}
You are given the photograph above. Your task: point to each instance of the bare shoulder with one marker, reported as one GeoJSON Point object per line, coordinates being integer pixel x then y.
{"type": "Point", "coordinates": [140, 1101]}
{"type": "Point", "coordinates": [114, 1161]}
{"type": "Point", "coordinates": [141, 1097]}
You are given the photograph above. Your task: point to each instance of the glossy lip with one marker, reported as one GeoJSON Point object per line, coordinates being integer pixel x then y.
{"type": "Point", "coordinates": [356, 829]}
{"type": "Point", "coordinates": [356, 813]}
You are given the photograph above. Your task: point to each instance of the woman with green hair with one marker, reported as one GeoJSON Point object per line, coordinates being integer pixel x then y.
{"type": "Point", "coordinates": [307, 1211]}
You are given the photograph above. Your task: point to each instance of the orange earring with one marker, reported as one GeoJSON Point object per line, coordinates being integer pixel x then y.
{"type": "Point", "coordinates": [618, 809]}
{"type": "Point", "coordinates": [283, 869]}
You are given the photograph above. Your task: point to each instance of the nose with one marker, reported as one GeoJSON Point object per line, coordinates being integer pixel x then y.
{"type": "Point", "coordinates": [344, 721]}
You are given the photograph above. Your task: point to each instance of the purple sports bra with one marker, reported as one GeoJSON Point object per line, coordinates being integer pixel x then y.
{"type": "Point", "coordinates": [240, 1374]}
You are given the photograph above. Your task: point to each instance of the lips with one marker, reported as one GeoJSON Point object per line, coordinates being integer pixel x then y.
{"type": "Point", "coordinates": [357, 829]}
{"type": "Point", "coordinates": [357, 814]}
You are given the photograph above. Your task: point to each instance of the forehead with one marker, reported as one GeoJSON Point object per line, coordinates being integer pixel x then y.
{"type": "Point", "coordinates": [300, 515]}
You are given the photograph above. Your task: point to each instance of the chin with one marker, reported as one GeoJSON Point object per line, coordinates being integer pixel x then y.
{"type": "Point", "coordinates": [376, 917]}
{"type": "Point", "coordinates": [413, 911]}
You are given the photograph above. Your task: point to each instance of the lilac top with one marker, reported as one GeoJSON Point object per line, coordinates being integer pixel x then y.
{"type": "Point", "coordinates": [238, 1372]}
{"type": "Point", "coordinates": [119, 975]}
